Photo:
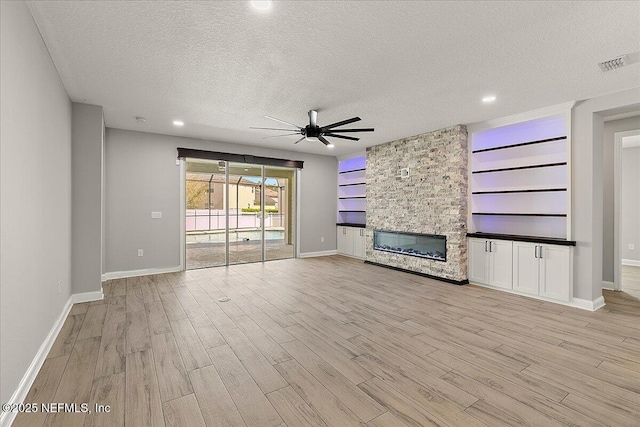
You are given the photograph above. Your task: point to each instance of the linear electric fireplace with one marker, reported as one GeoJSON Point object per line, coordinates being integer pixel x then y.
{"type": "Point", "coordinates": [430, 246]}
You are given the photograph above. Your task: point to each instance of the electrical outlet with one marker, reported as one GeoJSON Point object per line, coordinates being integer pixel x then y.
{"type": "Point", "coordinates": [322, 240]}
{"type": "Point", "coordinates": [632, 246]}
{"type": "Point", "coordinates": [59, 286]}
{"type": "Point", "coordinates": [140, 252]}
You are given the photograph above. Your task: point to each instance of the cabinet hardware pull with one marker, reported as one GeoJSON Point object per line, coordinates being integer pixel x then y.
{"type": "Point", "coordinates": [536, 251]}
{"type": "Point", "coordinates": [485, 246]}
{"type": "Point", "coordinates": [540, 256]}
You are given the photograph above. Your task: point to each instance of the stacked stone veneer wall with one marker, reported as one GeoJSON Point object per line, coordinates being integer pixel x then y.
{"type": "Point", "coordinates": [432, 200]}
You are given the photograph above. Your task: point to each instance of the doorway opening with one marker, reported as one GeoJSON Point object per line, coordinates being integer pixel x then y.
{"type": "Point", "coordinates": [238, 213]}
{"type": "Point", "coordinates": [627, 212]}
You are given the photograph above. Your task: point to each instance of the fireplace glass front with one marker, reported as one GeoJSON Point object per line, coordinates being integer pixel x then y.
{"type": "Point", "coordinates": [429, 246]}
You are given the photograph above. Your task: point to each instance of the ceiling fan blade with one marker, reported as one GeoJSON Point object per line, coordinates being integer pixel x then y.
{"type": "Point", "coordinates": [284, 134]}
{"type": "Point", "coordinates": [333, 135]}
{"type": "Point", "coordinates": [324, 140]}
{"type": "Point", "coordinates": [253, 127]}
{"type": "Point", "coordinates": [299, 140]}
{"type": "Point", "coordinates": [282, 121]}
{"type": "Point", "coordinates": [344, 122]}
{"type": "Point", "coordinates": [354, 130]}
{"type": "Point", "coordinates": [313, 118]}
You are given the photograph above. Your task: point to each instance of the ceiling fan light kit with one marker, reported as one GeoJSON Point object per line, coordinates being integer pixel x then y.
{"type": "Point", "coordinates": [313, 131]}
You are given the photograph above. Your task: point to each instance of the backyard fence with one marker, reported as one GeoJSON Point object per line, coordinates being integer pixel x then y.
{"type": "Point", "coordinates": [211, 220]}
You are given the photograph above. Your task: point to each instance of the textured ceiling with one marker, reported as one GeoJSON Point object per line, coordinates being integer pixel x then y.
{"type": "Point", "coordinates": [404, 67]}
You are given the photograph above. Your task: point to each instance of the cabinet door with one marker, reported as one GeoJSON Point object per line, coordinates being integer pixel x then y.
{"type": "Point", "coordinates": [525, 268]}
{"type": "Point", "coordinates": [345, 240]}
{"type": "Point", "coordinates": [501, 264]}
{"type": "Point", "coordinates": [359, 242]}
{"type": "Point", "coordinates": [555, 273]}
{"type": "Point", "coordinates": [478, 261]}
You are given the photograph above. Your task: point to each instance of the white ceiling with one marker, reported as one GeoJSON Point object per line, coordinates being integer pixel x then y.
{"type": "Point", "coordinates": [404, 67]}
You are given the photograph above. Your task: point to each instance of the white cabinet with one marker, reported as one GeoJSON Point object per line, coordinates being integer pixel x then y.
{"type": "Point", "coordinates": [359, 242]}
{"type": "Point", "coordinates": [351, 241]}
{"type": "Point", "coordinates": [543, 270]}
{"type": "Point", "coordinates": [533, 269]}
{"type": "Point", "coordinates": [490, 262]}
{"type": "Point", "coordinates": [526, 272]}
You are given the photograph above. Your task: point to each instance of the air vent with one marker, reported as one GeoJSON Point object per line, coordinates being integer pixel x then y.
{"type": "Point", "coordinates": [614, 63]}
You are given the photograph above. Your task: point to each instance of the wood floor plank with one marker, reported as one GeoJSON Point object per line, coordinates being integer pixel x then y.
{"type": "Point", "coordinates": [93, 322]}
{"type": "Point", "coordinates": [425, 395]}
{"type": "Point", "coordinates": [341, 362]}
{"type": "Point", "coordinates": [107, 391]}
{"type": "Point", "coordinates": [217, 406]}
{"type": "Point", "coordinates": [75, 384]}
{"type": "Point", "coordinates": [263, 342]}
{"type": "Point", "coordinates": [351, 396]}
{"type": "Point", "coordinates": [325, 404]}
{"type": "Point", "coordinates": [206, 330]}
{"type": "Point", "coordinates": [43, 390]}
{"type": "Point", "coordinates": [174, 381]}
{"type": "Point", "coordinates": [142, 404]}
{"type": "Point", "coordinates": [137, 336]}
{"type": "Point", "coordinates": [67, 336]}
{"type": "Point", "coordinates": [603, 414]}
{"type": "Point", "coordinates": [263, 373]}
{"type": "Point", "coordinates": [183, 411]}
{"type": "Point", "coordinates": [172, 307]}
{"type": "Point", "coordinates": [405, 409]}
{"type": "Point", "coordinates": [111, 358]}
{"type": "Point", "coordinates": [293, 409]}
{"type": "Point", "coordinates": [386, 420]}
{"type": "Point", "coordinates": [191, 349]}
{"type": "Point", "coordinates": [249, 399]}
{"type": "Point", "coordinates": [157, 318]}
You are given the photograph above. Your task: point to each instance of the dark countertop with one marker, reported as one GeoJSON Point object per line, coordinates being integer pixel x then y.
{"type": "Point", "coordinates": [532, 239]}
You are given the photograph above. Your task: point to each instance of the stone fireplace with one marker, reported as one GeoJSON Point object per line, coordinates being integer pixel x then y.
{"type": "Point", "coordinates": [418, 186]}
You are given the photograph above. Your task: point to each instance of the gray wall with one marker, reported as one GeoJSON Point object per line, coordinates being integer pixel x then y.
{"type": "Point", "coordinates": [141, 176]}
{"type": "Point", "coordinates": [86, 164]}
{"type": "Point", "coordinates": [587, 185]}
{"type": "Point", "coordinates": [630, 203]}
{"type": "Point", "coordinates": [610, 128]}
{"type": "Point", "coordinates": [35, 194]}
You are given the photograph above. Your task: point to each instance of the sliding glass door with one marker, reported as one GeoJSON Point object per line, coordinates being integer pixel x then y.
{"type": "Point", "coordinates": [238, 213]}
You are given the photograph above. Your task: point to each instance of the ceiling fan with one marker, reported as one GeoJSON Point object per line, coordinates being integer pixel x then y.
{"type": "Point", "coordinates": [312, 130]}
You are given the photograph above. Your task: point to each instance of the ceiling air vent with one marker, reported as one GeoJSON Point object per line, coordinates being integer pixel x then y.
{"type": "Point", "coordinates": [614, 63]}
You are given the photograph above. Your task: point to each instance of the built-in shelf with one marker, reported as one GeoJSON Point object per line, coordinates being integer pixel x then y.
{"type": "Point", "coordinates": [559, 215]}
{"type": "Point", "coordinates": [354, 170]}
{"type": "Point", "coordinates": [537, 190]}
{"type": "Point", "coordinates": [352, 199]}
{"type": "Point", "coordinates": [545, 165]}
{"type": "Point", "coordinates": [522, 144]}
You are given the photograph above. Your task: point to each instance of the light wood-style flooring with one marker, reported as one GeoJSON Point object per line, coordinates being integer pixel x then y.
{"type": "Point", "coordinates": [333, 342]}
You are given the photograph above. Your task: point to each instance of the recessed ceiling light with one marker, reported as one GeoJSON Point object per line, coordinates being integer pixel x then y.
{"type": "Point", "coordinates": [262, 4]}
{"type": "Point", "coordinates": [488, 99]}
{"type": "Point", "coordinates": [330, 146]}
{"type": "Point", "coordinates": [178, 123]}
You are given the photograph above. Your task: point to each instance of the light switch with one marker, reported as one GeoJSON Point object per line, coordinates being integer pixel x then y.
{"type": "Point", "coordinates": [156, 215]}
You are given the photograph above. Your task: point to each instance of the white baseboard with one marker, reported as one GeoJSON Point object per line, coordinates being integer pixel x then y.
{"type": "Point", "coordinates": [136, 273]}
{"type": "Point", "coordinates": [87, 296]}
{"type": "Point", "coordinates": [6, 418]}
{"type": "Point", "coordinates": [632, 262]}
{"type": "Point", "coordinates": [610, 286]}
{"type": "Point", "coordinates": [586, 304]}
{"type": "Point", "coordinates": [575, 302]}
{"type": "Point", "coordinates": [320, 253]}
